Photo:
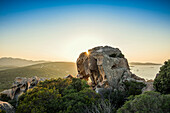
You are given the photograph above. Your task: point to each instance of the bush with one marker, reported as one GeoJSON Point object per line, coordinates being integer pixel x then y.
{"type": "Point", "coordinates": [102, 106]}
{"type": "Point", "coordinates": [114, 99]}
{"type": "Point", "coordinates": [162, 80]}
{"type": "Point", "coordinates": [57, 96]}
{"type": "Point", "coordinates": [134, 88]}
{"type": "Point", "coordinates": [2, 111]}
{"type": "Point", "coordinates": [149, 102]}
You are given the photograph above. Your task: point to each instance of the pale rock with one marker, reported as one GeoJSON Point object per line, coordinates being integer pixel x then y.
{"type": "Point", "coordinates": [21, 85]}
{"type": "Point", "coordinates": [8, 108]}
{"type": "Point", "coordinates": [106, 67]}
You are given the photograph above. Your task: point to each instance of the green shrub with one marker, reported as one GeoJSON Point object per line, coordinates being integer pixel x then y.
{"type": "Point", "coordinates": [134, 88]}
{"type": "Point", "coordinates": [162, 80]}
{"type": "Point", "coordinates": [115, 97]}
{"type": "Point", "coordinates": [57, 96]}
{"type": "Point", "coordinates": [2, 111]}
{"type": "Point", "coordinates": [121, 55]}
{"type": "Point", "coordinates": [102, 106]}
{"type": "Point", "coordinates": [149, 102]}
{"type": "Point", "coordinates": [115, 55]}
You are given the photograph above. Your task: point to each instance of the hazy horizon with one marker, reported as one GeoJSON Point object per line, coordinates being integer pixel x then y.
{"type": "Point", "coordinates": [60, 31]}
{"type": "Point", "coordinates": [69, 61]}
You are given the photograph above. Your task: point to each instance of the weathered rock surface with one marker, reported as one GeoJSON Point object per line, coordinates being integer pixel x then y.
{"type": "Point", "coordinates": [8, 108]}
{"type": "Point", "coordinates": [106, 67]}
{"type": "Point", "coordinates": [21, 85]}
{"type": "Point", "coordinates": [149, 86]}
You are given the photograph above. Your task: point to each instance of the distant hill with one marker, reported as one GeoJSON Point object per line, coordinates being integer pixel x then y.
{"type": "Point", "coordinates": [8, 62]}
{"type": "Point", "coordinates": [7, 67]}
{"type": "Point", "coordinates": [139, 63]}
{"type": "Point", "coordinates": [48, 70]}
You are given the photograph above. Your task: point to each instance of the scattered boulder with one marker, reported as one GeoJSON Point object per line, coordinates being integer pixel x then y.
{"type": "Point", "coordinates": [8, 108]}
{"type": "Point", "coordinates": [106, 67]}
{"type": "Point", "coordinates": [21, 85]}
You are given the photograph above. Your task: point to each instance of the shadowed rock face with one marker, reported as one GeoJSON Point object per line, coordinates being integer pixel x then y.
{"type": "Point", "coordinates": [106, 67]}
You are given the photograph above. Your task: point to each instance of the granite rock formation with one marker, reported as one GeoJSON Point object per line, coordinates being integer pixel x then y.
{"type": "Point", "coordinates": [21, 85]}
{"type": "Point", "coordinates": [8, 108]}
{"type": "Point", "coordinates": [106, 67]}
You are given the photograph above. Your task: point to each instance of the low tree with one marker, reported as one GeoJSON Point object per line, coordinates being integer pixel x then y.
{"type": "Point", "coordinates": [149, 102]}
{"type": "Point", "coordinates": [162, 80]}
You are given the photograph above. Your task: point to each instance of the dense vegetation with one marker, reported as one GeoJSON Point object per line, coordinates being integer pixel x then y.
{"type": "Point", "coordinates": [48, 70]}
{"type": "Point", "coordinates": [57, 95]}
{"type": "Point", "coordinates": [149, 102]}
{"type": "Point", "coordinates": [134, 88]}
{"type": "Point", "coordinates": [111, 100]}
{"type": "Point", "coordinates": [75, 96]}
{"type": "Point", "coordinates": [72, 96]}
{"type": "Point", "coordinates": [162, 80]}
{"type": "Point", "coordinates": [2, 111]}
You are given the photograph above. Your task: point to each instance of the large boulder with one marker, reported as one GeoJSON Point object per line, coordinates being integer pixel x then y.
{"type": "Point", "coordinates": [21, 85]}
{"type": "Point", "coordinates": [8, 108]}
{"type": "Point", "coordinates": [106, 67]}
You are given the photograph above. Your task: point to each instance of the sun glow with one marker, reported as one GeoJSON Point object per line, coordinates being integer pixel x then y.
{"type": "Point", "coordinates": [87, 52]}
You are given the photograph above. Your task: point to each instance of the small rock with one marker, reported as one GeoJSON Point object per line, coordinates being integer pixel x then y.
{"type": "Point", "coordinates": [8, 108]}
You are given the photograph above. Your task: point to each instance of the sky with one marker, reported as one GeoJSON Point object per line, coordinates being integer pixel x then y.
{"type": "Point", "coordinates": [59, 30]}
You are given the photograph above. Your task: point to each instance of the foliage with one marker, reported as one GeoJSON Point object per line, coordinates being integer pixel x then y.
{"type": "Point", "coordinates": [102, 106]}
{"type": "Point", "coordinates": [57, 95]}
{"type": "Point", "coordinates": [115, 55]}
{"type": "Point", "coordinates": [121, 55]}
{"type": "Point", "coordinates": [149, 102]}
{"type": "Point", "coordinates": [2, 111]}
{"type": "Point", "coordinates": [162, 80]}
{"type": "Point", "coordinates": [133, 87]}
{"type": "Point", "coordinates": [112, 55]}
{"type": "Point", "coordinates": [115, 97]}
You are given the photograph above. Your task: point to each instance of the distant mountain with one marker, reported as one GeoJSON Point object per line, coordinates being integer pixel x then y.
{"type": "Point", "coordinates": [8, 62]}
{"type": "Point", "coordinates": [47, 70]}
{"type": "Point", "coordinates": [147, 63]}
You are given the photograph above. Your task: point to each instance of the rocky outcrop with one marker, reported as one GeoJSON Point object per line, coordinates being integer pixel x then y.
{"type": "Point", "coordinates": [106, 67]}
{"type": "Point", "coordinates": [8, 108]}
{"type": "Point", "coordinates": [21, 85]}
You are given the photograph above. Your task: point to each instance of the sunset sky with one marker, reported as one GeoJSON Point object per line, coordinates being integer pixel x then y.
{"type": "Point", "coordinates": [59, 30]}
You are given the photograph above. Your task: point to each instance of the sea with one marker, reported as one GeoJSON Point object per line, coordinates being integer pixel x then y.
{"type": "Point", "coordinates": [145, 71]}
